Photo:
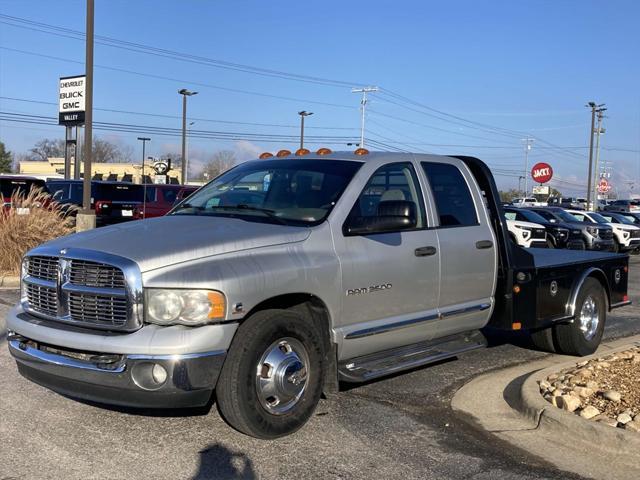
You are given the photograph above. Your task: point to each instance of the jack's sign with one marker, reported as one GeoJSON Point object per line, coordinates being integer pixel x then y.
{"type": "Point", "coordinates": [71, 100]}
{"type": "Point", "coordinates": [542, 172]}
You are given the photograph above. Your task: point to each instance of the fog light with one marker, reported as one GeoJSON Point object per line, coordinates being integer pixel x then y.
{"type": "Point", "coordinates": [158, 373]}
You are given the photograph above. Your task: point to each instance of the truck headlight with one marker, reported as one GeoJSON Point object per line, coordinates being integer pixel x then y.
{"type": "Point", "coordinates": [184, 307]}
{"type": "Point", "coordinates": [593, 230]}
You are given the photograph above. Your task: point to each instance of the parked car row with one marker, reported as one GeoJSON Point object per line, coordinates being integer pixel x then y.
{"type": "Point", "coordinates": [113, 202]}
{"type": "Point", "coordinates": [555, 227]}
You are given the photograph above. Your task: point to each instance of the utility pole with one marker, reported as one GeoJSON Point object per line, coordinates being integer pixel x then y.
{"type": "Point", "coordinates": [594, 108]}
{"type": "Point", "coordinates": [599, 130]}
{"type": "Point", "coordinates": [528, 142]}
{"type": "Point", "coordinates": [303, 114]}
{"type": "Point", "coordinates": [363, 106]}
{"type": "Point", "coordinates": [185, 93]}
{"type": "Point", "coordinates": [86, 220]}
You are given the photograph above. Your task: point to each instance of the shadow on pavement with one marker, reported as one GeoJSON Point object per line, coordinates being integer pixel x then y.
{"type": "Point", "coordinates": [217, 461]}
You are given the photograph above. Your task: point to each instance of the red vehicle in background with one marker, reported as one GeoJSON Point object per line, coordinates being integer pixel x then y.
{"type": "Point", "coordinates": [10, 183]}
{"type": "Point", "coordinates": [160, 199]}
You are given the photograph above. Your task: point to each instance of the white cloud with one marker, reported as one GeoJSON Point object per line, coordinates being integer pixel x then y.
{"type": "Point", "coordinates": [246, 150]}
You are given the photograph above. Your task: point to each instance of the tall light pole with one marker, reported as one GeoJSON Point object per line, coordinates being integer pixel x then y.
{"type": "Point", "coordinates": [363, 106]}
{"type": "Point", "coordinates": [185, 93]}
{"type": "Point", "coordinates": [87, 219]}
{"type": "Point", "coordinates": [594, 109]}
{"type": "Point", "coordinates": [599, 131]}
{"type": "Point", "coordinates": [528, 142]}
{"type": "Point", "coordinates": [144, 141]}
{"type": "Point", "coordinates": [303, 114]}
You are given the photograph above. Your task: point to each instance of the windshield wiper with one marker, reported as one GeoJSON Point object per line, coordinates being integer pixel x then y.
{"type": "Point", "coordinates": [188, 205]}
{"type": "Point", "coordinates": [242, 206]}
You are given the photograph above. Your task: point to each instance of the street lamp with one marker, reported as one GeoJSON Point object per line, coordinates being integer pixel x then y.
{"type": "Point", "coordinates": [185, 93]}
{"type": "Point", "coordinates": [303, 114]}
{"type": "Point", "coordinates": [144, 141]}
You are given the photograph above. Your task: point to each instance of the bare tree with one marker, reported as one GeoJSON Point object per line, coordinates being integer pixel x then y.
{"type": "Point", "coordinates": [105, 151]}
{"type": "Point", "coordinates": [45, 149]}
{"type": "Point", "coordinates": [219, 163]}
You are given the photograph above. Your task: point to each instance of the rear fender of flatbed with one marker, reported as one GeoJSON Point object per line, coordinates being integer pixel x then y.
{"type": "Point", "coordinates": [545, 289]}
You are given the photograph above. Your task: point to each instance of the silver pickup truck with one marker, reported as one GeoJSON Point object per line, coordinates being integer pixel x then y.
{"type": "Point", "coordinates": [289, 274]}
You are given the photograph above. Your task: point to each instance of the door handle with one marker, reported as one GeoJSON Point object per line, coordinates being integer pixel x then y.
{"type": "Point", "coordinates": [482, 244]}
{"type": "Point", "coordinates": [425, 251]}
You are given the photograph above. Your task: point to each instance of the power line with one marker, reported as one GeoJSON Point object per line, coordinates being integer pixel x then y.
{"type": "Point", "coordinates": [158, 115]}
{"type": "Point", "coordinates": [181, 81]}
{"type": "Point", "coordinates": [155, 130]}
{"type": "Point", "coordinates": [174, 55]}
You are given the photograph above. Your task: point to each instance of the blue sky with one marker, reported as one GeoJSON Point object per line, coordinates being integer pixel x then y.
{"type": "Point", "coordinates": [516, 67]}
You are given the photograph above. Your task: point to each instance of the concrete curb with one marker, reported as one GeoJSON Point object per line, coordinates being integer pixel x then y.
{"type": "Point", "coordinates": [532, 405]}
{"type": "Point", "coordinates": [9, 281]}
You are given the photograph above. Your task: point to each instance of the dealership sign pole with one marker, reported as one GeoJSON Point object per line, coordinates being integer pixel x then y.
{"type": "Point", "coordinates": [71, 112]}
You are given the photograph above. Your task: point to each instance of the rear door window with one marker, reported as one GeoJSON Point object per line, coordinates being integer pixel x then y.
{"type": "Point", "coordinates": [451, 194]}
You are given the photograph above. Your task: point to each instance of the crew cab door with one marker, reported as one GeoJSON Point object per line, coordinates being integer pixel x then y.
{"type": "Point", "coordinates": [390, 278]}
{"type": "Point", "coordinates": [468, 250]}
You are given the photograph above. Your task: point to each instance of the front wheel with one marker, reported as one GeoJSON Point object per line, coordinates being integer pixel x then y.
{"type": "Point", "coordinates": [271, 380]}
{"type": "Point", "coordinates": [583, 335]}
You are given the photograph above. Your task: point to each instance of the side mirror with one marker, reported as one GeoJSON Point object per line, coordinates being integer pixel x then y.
{"type": "Point", "coordinates": [392, 216]}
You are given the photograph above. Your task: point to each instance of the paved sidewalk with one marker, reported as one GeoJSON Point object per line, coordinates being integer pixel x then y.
{"type": "Point", "coordinates": [508, 404]}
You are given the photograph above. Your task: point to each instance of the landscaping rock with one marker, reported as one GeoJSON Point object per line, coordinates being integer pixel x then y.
{"type": "Point", "coordinates": [612, 396]}
{"type": "Point", "coordinates": [568, 402]}
{"type": "Point", "coordinates": [624, 418]}
{"type": "Point", "coordinates": [589, 412]}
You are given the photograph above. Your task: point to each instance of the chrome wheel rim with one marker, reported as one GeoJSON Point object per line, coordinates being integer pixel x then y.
{"type": "Point", "coordinates": [589, 318]}
{"type": "Point", "coordinates": [282, 375]}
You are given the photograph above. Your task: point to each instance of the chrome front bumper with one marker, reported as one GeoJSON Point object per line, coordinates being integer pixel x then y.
{"type": "Point", "coordinates": [124, 380]}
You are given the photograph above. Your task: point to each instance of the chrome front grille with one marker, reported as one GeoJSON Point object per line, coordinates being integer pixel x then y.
{"type": "Point", "coordinates": [98, 309]}
{"type": "Point", "coordinates": [635, 233]}
{"type": "Point", "coordinates": [84, 288]}
{"type": "Point", "coordinates": [42, 299]}
{"type": "Point", "coordinates": [44, 268]}
{"type": "Point", "coordinates": [93, 274]}
{"type": "Point", "coordinates": [605, 234]}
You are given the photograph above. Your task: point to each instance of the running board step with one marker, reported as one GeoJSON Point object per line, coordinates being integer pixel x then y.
{"type": "Point", "coordinates": [383, 363]}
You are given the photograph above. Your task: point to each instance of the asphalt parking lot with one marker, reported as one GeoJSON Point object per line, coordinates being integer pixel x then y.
{"type": "Point", "coordinates": [400, 427]}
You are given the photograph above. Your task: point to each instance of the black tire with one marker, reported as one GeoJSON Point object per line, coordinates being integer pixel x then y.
{"type": "Point", "coordinates": [616, 245]}
{"type": "Point", "coordinates": [237, 391]}
{"type": "Point", "coordinates": [543, 339]}
{"type": "Point", "coordinates": [569, 339]}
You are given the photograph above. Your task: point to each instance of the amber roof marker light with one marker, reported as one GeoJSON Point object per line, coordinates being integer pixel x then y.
{"type": "Point", "coordinates": [361, 151]}
{"type": "Point", "coordinates": [265, 155]}
{"type": "Point", "coordinates": [302, 152]}
{"type": "Point", "coordinates": [324, 151]}
{"type": "Point", "coordinates": [283, 153]}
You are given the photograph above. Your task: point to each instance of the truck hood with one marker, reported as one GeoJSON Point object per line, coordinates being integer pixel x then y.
{"type": "Point", "coordinates": [164, 241]}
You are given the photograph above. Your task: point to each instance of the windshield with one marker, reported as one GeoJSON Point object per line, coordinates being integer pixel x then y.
{"type": "Point", "coordinates": [598, 218]}
{"type": "Point", "coordinates": [533, 217]}
{"type": "Point", "coordinates": [617, 218]}
{"type": "Point", "coordinates": [9, 185]}
{"type": "Point", "coordinates": [564, 216]}
{"type": "Point", "coordinates": [292, 192]}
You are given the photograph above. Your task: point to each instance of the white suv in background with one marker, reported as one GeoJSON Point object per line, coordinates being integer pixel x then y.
{"type": "Point", "coordinates": [625, 236]}
{"type": "Point", "coordinates": [526, 234]}
{"type": "Point", "coordinates": [526, 202]}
